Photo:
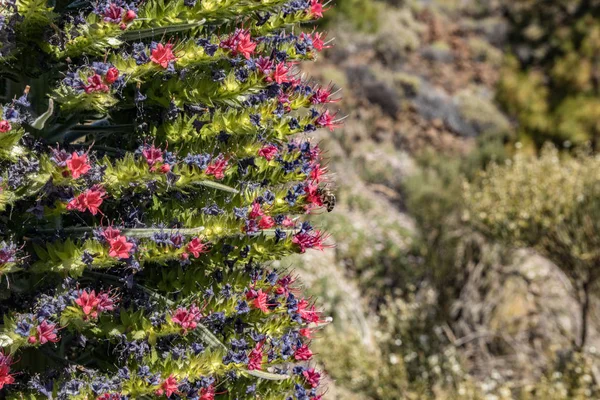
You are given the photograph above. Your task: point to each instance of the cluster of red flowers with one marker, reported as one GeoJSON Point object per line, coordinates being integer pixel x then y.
{"type": "Point", "coordinates": [268, 151]}
{"type": "Point", "coordinates": [264, 221]}
{"type": "Point", "coordinates": [217, 167]}
{"type": "Point", "coordinates": [5, 376]}
{"type": "Point", "coordinates": [4, 126]}
{"type": "Point", "coordinates": [163, 54]}
{"type": "Point", "coordinates": [310, 240]}
{"type": "Point", "coordinates": [196, 247]}
{"type": "Point", "coordinates": [78, 165]}
{"type": "Point", "coordinates": [187, 318]}
{"type": "Point", "coordinates": [117, 15]}
{"type": "Point", "coordinates": [259, 299]}
{"type": "Point", "coordinates": [90, 200]}
{"type": "Point", "coordinates": [154, 158]}
{"type": "Point", "coordinates": [240, 43]}
{"type": "Point", "coordinates": [97, 83]}
{"type": "Point", "coordinates": [119, 245]}
{"type": "Point", "coordinates": [92, 304]}
{"type": "Point", "coordinates": [45, 332]}
{"type": "Point", "coordinates": [255, 358]}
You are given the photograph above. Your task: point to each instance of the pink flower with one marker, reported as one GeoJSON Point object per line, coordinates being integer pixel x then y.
{"type": "Point", "coordinates": [260, 301]}
{"type": "Point", "coordinates": [264, 65]}
{"type": "Point", "coordinates": [196, 247]}
{"type": "Point", "coordinates": [280, 74]}
{"type": "Point", "coordinates": [256, 210]}
{"type": "Point", "coordinates": [45, 332]}
{"type": "Point", "coordinates": [255, 358]}
{"type": "Point", "coordinates": [96, 84]}
{"type": "Point", "coordinates": [187, 319]}
{"type": "Point", "coordinates": [309, 240]}
{"type": "Point", "coordinates": [306, 332]}
{"type": "Point", "coordinates": [168, 387]}
{"type": "Point", "coordinates": [240, 42]}
{"type": "Point", "coordinates": [89, 200]}
{"type": "Point", "coordinates": [130, 15]}
{"type": "Point", "coordinates": [162, 54]}
{"type": "Point", "coordinates": [326, 120]}
{"type": "Point", "coordinates": [120, 248]}
{"type": "Point", "coordinates": [93, 304]}
{"type": "Point", "coordinates": [111, 75]}
{"type": "Point", "coordinates": [323, 96]}
{"type": "Point", "coordinates": [309, 314]}
{"type": "Point", "coordinates": [152, 155]}
{"type": "Point", "coordinates": [266, 222]}
{"type": "Point", "coordinates": [4, 126]}
{"type": "Point", "coordinates": [317, 173]}
{"type": "Point", "coordinates": [217, 168]}
{"type": "Point", "coordinates": [312, 195]}
{"type": "Point", "coordinates": [109, 396]}
{"type": "Point", "coordinates": [312, 377]}
{"type": "Point", "coordinates": [111, 233]}
{"type": "Point", "coordinates": [317, 41]}
{"type": "Point", "coordinates": [316, 9]}
{"type": "Point", "coordinates": [207, 393]}
{"type": "Point", "coordinates": [113, 13]}
{"type": "Point", "coordinates": [78, 165]}
{"type": "Point", "coordinates": [6, 378]}
{"type": "Point", "coordinates": [303, 353]}
{"type": "Point", "coordinates": [269, 152]}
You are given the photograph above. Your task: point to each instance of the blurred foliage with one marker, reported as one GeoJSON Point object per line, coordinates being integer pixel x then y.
{"type": "Point", "coordinates": [362, 14]}
{"type": "Point", "coordinates": [551, 83]}
{"type": "Point", "coordinates": [550, 202]}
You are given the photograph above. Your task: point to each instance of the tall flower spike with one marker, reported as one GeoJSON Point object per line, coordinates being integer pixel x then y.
{"type": "Point", "coordinates": [166, 162]}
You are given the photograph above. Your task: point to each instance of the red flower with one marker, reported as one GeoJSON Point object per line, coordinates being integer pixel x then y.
{"type": "Point", "coordinates": [309, 240]}
{"type": "Point", "coordinates": [256, 210]}
{"type": "Point", "coordinates": [45, 332]}
{"type": "Point", "coordinates": [312, 377]}
{"type": "Point", "coordinates": [168, 387]}
{"type": "Point", "coordinates": [93, 304]}
{"type": "Point", "coordinates": [280, 74]}
{"type": "Point", "coordinates": [111, 233]}
{"type": "Point", "coordinates": [111, 75]}
{"type": "Point", "coordinates": [152, 155]}
{"type": "Point", "coordinates": [240, 42]}
{"type": "Point", "coordinates": [78, 165]}
{"type": "Point", "coordinates": [317, 40]}
{"type": "Point", "coordinates": [255, 358]}
{"type": "Point", "coordinates": [217, 168]}
{"type": "Point", "coordinates": [96, 84]}
{"type": "Point", "coordinates": [260, 301]}
{"type": "Point", "coordinates": [307, 313]}
{"type": "Point", "coordinates": [323, 96]}
{"type": "Point", "coordinates": [316, 9]}
{"type": "Point", "coordinates": [109, 396]}
{"type": "Point", "coordinates": [269, 152]}
{"type": "Point", "coordinates": [264, 65]}
{"type": "Point", "coordinates": [196, 247]}
{"type": "Point", "coordinates": [130, 15]}
{"type": "Point", "coordinates": [89, 200]}
{"type": "Point", "coordinates": [120, 248]}
{"type": "Point", "coordinates": [88, 303]}
{"type": "Point", "coordinates": [162, 54]}
{"type": "Point", "coordinates": [187, 319]}
{"type": "Point", "coordinates": [306, 332]}
{"type": "Point", "coordinates": [326, 120]}
{"type": "Point", "coordinates": [165, 168]}
{"type": "Point", "coordinates": [303, 353]}
{"type": "Point", "coordinates": [5, 377]}
{"type": "Point", "coordinates": [113, 13]}
{"type": "Point", "coordinates": [266, 222]}
{"type": "Point", "coordinates": [312, 195]}
{"type": "Point", "coordinates": [288, 222]}
{"type": "Point", "coordinates": [4, 126]}
{"type": "Point", "coordinates": [207, 393]}
{"type": "Point", "coordinates": [317, 173]}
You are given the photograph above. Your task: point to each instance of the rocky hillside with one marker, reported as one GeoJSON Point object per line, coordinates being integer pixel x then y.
{"type": "Point", "coordinates": [423, 306]}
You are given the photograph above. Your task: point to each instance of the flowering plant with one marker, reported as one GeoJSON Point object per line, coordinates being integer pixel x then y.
{"type": "Point", "coordinates": [153, 161]}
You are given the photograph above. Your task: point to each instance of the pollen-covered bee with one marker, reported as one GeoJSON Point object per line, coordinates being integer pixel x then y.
{"type": "Point", "coordinates": [327, 197]}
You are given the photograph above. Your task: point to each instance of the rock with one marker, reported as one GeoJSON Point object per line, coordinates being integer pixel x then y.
{"type": "Point", "coordinates": [467, 114]}
{"type": "Point", "coordinates": [438, 52]}
{"type": "Point", "coordinates": [374, 90]}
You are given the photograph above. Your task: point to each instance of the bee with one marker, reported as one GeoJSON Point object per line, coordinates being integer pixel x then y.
{"type": "Point", "coordinates": [327, 197]}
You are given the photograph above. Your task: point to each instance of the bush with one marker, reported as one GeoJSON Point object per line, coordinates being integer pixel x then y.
{"type": "Point", "coordinates": [148, 174]}
{"type": "Point", "coordinates": [550, 203]}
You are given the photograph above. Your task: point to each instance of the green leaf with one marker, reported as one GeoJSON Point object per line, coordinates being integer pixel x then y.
{"type": "Point", "coordinates": [267, 375]}
{"type": "Point", "coordinates": [40, 121]}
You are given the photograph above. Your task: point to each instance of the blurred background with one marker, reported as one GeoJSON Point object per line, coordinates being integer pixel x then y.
{"type": "Point", "coordinates": [467, 225]}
